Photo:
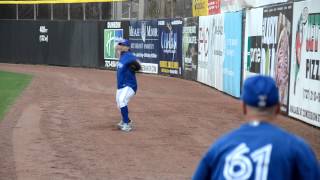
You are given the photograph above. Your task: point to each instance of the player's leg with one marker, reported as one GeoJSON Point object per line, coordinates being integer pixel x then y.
{"type": "Point", "coordinates": [125, 95]}
{"type": "Point", "coordinates": [128, 94]}
{"type": "Point", "coordinates": [118, 94]}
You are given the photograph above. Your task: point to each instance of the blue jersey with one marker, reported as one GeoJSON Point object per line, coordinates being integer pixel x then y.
{"type": "Point", "coordinates": [125, 76]}
{"type": "Point", "coordinates": [259, 152]}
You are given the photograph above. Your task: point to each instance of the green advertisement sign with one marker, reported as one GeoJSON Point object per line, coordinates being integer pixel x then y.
{"type": "Point", "coordinates": [110, 41]}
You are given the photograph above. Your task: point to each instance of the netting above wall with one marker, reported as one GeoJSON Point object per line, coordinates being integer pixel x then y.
{"type": "Point", "coordinates": [88, 11]}
{"type": "Point", "coordinates": [99, 9]}
{"type": "Point", "coordinates": [57, 9]}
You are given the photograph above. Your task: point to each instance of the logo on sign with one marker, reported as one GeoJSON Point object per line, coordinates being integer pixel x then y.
{"type": "Point", "coordinates": [114, 25]}
{"type": "Point", "coordinates": [43, 38]}
{"type": "Point", "coordinates": [143, 31]}
{"type": "Point", "coordinates": [43, 29]}
{"type": "Point", "coordinates": [111, 37]}
{"type": "Point", "coordinates": [149, 68]}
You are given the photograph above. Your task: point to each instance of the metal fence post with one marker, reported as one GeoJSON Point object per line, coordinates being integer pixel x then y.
{"type": "Point", "coordinates": [68, 12]}
{"type": "Point", "coordinates": [100, 11]}
{"type": "Point", "coordinates": [51, 12]}
{"type": "Point", "coordinates": [17, 12]}
{"type": "Point", "coordinates": [84, 11]}
{"type": "Point", "coordinates": [34, 12]}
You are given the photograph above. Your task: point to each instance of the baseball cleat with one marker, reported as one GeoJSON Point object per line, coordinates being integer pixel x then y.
{"type": "Point", "coordinates": [121, 123]}
{"type": "Point", "coordinates": [126, 127]}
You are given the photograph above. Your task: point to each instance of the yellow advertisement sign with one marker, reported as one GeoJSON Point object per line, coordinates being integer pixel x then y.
{"type": "Point", "coordinates": [54, 1]}
{"type": "Point", "coordinates": [199, 7]}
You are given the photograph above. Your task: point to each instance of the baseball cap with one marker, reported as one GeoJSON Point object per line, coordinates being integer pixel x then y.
{"type": "Point", "coordinates": [124, 42]}
{"type": "Point", "coordinates": [260, 91]}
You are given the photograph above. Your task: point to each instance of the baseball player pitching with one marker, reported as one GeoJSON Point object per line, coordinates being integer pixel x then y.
{"type": "Point", "coordinates": [258, 149]}
{"type": "Point", "coordinates": [126, 82]}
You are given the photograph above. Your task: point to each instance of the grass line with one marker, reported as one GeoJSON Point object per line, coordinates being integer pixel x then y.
{"type": "Point", "coordinates": [11, 86]}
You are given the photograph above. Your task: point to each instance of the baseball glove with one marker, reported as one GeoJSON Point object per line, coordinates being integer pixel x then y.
{"type": "Point", "coordinates": [135, 66]}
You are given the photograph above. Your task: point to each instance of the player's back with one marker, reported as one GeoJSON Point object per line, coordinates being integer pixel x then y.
{"type": "Point", "coordinates": [260, 151]}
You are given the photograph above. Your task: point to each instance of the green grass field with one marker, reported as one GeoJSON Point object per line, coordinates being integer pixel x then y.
{"type": "Point", "coordinates": [11, 85]}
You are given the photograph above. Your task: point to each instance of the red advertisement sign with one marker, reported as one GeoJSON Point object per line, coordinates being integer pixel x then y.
{"type": "Point", "coordinates": [214, 6]}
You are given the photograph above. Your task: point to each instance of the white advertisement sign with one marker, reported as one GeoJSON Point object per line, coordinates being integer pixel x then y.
{"type": "Point", "coordinates": [304, 101]}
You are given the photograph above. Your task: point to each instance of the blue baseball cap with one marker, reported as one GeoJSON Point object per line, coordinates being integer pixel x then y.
{"type": "Point", "coordinates": [124, 42]}
{"type": "Point", "coordinates": [260, 91]}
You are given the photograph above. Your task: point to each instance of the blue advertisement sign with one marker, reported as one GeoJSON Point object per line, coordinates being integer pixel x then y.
{"type": "Point", "coordinates": [170, 55]}
{"type": "Point", "coordinates": [144, 38]}
{"type": "Point", "coordinates": [232, 54]}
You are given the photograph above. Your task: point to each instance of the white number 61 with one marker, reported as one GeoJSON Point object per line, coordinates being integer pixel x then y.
{"type": "Point", "coordinates": [239, 166]}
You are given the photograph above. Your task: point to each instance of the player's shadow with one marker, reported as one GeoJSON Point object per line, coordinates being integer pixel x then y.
{"type": "Point", "coordinates": [104, 127]}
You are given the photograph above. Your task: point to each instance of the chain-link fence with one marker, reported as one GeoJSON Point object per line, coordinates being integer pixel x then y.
{"type": "Point", "coordinates": [131, 9]}
{"type": "Point", "coordinates": [83, 11]}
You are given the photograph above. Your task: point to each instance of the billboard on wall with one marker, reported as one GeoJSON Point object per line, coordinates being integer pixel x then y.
{"type": "Point", "coordinates": [267, 46]}
{"type": "Point", "coordinates": [211, 50]}
{"type": "Point", "coordinates": [218, 42]}
{"type": "Point", "coordinates": [304, 102]}
{"type": "Point", "coordinates": [144, 38]}
{"type": "Point", "coordinates": [214, 6]}
{"type": "Point", "coordinates": [232, 53]}
{"type": "Point", "coordinates": [113, 31]}
{"type": "Point", "coordinates": [199, 7]}
{"type": "Point", "coordinates": [190, 48]}
{"type": "Point", "coordinates": [205, 64]}
{"type": "Point", "coordinates": [170, 53]}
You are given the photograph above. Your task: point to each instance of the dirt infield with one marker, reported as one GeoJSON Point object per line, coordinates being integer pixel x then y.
{"type": "Point", "coordinates": [63, 127]}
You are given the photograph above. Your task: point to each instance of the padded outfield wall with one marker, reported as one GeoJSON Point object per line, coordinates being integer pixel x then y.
{"type": "Point", "coordinates": [73, 43]}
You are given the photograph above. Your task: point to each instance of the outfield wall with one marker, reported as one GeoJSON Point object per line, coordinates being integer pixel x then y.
{"type": "Point", "coordinates": [221, 51]}
{"type": "Point", "coordinates": [63, 43]}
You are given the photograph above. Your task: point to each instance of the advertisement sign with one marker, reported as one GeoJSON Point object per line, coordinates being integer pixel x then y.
{"type": "Point", "coordinates": [211, 50]}
{"type": "Point", "coordinates": [190, 48]}
{"type": "Point", "coordinates": [217, 55]}
{"type": "Point", "coordinates": [304, 102]}
{"type": "Point", "coordinates": [114, 30]}
{"type": "Point", "coordinates": [170, 54]}
{"type": "Point", "coordinates": [144, 38]}
{"type": "Point", "coordinates": [199, 7]}
{"type": "Point", "coordinates": [232, 53]}
{"type": "Point", "coordinates": [267, 46]}
{"type": "Point", "coordinates": [214, 6]}
{"type": "Point", "coordinates": [205, 64]}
